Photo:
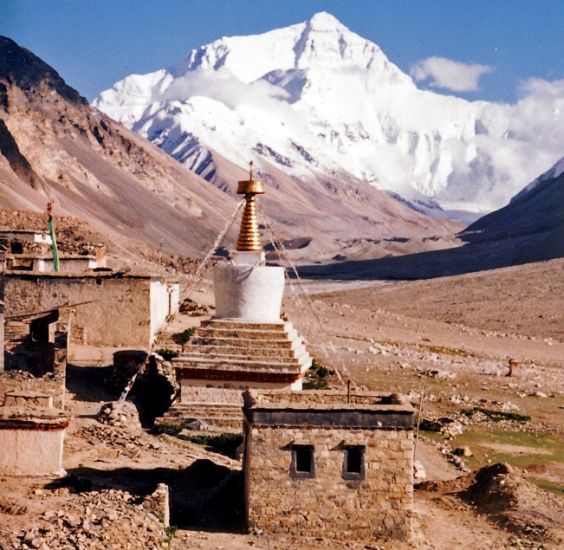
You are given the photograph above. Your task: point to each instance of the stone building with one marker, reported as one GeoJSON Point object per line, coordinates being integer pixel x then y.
{"type": "Point", "coordinates": [246, 344]}
{"type": "Point", "coordinates": [67, 262]}
{"type": "Point", "coordinates": [21, 241]}
{"type": "Point", "coordinates": [115, 310]}
{"type": "Point", "coordinates": [329, 464]}
{"type": "Point", "coordinates": [31, 251]}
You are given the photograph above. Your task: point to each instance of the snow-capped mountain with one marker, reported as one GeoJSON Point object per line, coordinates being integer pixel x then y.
{"type": "Point", "coordinates": [533, 220]}
{"type": "Point", "coordinates": [553, 173]}
{"type": "Point", "coordinates": [316, 99]}
{"type": "Point", "coordinates": [538, 208]}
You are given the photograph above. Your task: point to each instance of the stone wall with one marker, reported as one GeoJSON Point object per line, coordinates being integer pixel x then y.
{"type": "Point", "coordinates": [31, 441]}
{"type": "Point", "coordinates": [119, 315]}
{"type": "Point", "coordinates": [31, 453]}
{"type": "Point", "coordinates": [327, 505]}
{"type": "Point", "coordinates": [329, 464]}
{"type": "Point", "coordinates": [52, 384]}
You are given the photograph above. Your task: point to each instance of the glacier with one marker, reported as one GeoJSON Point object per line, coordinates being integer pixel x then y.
{"type": "Point", "coordinates": [315, 98]}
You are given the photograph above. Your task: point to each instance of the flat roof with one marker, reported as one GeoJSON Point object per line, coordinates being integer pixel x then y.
{"type": "Point", "coordinates": [102, 274]}
{"type": "Point", "coordinates": [50, 257]}
{"type": "Point", "coordinates": [23, 231]}
{"type": "Point", "coordinates": [326, 400]}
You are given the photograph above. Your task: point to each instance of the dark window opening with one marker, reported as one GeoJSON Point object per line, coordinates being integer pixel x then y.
{"type": "Point", "coordinates": [353, 465]}
{"type": "Point", "coordinates": [16, 248]}
{"type": "Point", "coordinates": [303, 464]}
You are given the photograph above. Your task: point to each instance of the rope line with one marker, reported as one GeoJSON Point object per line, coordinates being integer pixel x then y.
{"type": "Point", "coordinates": [283, 254]}
{"type": "Point", "coordinates": [216, 244]}
{"type": "Point", "coordinates": [196, 280]}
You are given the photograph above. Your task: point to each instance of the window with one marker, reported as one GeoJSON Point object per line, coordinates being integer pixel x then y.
{"type": "Point", "coordinates": [353, 463]}
{"type": "Point", "coordinates": [303, 464]}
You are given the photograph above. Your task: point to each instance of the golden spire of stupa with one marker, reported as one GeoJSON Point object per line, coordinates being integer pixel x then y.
{"type": "Point", "coordinates": [249, 236]}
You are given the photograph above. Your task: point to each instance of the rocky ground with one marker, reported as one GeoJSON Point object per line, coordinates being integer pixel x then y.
{"type": "Point", "coordinates": [450, 339]}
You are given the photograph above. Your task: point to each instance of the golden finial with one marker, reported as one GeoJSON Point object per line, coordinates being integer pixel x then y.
{"type": "Point", "coordinates": [249, 236]}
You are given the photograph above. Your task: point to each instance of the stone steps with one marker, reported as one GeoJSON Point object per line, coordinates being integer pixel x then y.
{"type": "Point", "coordinates": [216, 418]}
{"type": "Point", "coordinates": [256, 367]}
{"type": "Point", "coordinates": [165, 341]}
{"type": "Point", "coordinates": [216, 410]}
{"type": "Point", "coordinates": [243, 333]}
{"type": "Point", "coordinates": [263, 349]}
{"type": "Point", "coordinates": [237, 351]}
{"type": "Point", "coordinates": [228, 324]}
{"type": "Point", "coordinates": [177, 348]}
{"type": "Point", "coordinates": [257, 357]}
{"type": "Point", "coordinates": [243, 342]}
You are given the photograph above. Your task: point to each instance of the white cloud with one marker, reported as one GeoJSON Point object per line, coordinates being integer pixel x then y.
{"type": "Point", "coordinates": [538, 116]}
{"type": "Point", "coordinates": [450, 75]}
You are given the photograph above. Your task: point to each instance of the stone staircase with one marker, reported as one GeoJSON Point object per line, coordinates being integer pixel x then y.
{"type": "Point", "coordinates": [167, 341]}
{"type": "Point", "coordinates": [209, 417]}
{"type": "Point", "coordinates": [241, 347]}
{"type": "Point", "coordinates": [224, 356]}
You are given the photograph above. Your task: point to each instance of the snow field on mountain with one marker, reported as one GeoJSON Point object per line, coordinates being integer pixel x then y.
{"type": "Point", "coordinates": [315, 98]}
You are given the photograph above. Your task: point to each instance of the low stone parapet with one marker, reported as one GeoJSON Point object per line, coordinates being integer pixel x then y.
{"type": "Point", "coordinates": [31, 441]}
{"type": "Point", "coordinates": [28, 399]}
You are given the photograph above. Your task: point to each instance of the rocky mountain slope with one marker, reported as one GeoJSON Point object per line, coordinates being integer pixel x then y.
{"type": "Point", "coordinates": [318, 101]}
{"type": "Point", "coordinates": [55, 145]}
{"type": "Point", "coordinates": [529, 229]}
{"type": "Point", "coordinates": [536, 213]}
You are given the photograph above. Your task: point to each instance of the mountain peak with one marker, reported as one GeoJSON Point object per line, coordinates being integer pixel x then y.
{"type": "Point", "coordinates": [315, 97]}
{"type": "Point", "coordinates": [27, 71]}
{"type": "Point", "coordinates": [325, 22]}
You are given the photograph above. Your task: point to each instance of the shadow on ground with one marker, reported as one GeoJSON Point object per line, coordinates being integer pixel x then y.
{"type": "Point", "coordinates": [205, 496]}
{"type": "Point", "coordinates": [87, 383]}
{"type": "Point", "coordinates": [477, 256]}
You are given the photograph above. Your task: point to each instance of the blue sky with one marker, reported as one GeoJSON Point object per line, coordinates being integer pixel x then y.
{"type": "Point", "coordinates": [94, 43]}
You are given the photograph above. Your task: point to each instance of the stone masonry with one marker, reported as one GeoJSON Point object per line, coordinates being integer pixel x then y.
{"type": "Point", "coordinates": [324, 464]}
{"type": "Point", "coordinates": [119, 311]}
{"type": "Point", "coordinates": [223, 358]}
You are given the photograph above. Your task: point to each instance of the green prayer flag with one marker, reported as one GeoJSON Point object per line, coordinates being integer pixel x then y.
{"type": "Point", "coordinates": [54, 245]}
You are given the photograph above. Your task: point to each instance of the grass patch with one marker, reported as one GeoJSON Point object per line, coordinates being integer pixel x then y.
{"type": "Point", "coordinates": [497, 416]}
{"type": "Point", "coordinates": [317, 377]}
{"type": "Point", "coordinates": [167, 354]}
{"type": "Point", "coordinates": [225, 444]}
{"type": "Point", "coordinates": [168, 429]}
{"type": "Point", "coordinates": [435, 436]}
{"type": "Point", "coordinates": [551, 486]}
{"type": "Point", "coordinates": [185, 335]}
{"type": "Point", "coordinates": [483, 445]}
{"type": "Point", "coordinates": [427, 425]}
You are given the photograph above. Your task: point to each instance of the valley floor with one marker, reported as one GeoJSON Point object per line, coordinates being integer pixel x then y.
{"type": "Point", "coordinates": [450, 338]}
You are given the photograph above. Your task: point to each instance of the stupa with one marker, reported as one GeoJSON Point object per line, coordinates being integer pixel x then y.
{"type": "Point", "coordinates": [246, 344]}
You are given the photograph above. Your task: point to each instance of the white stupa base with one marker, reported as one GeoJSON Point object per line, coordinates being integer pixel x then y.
{"type": "Point", "coordinates": [255, 257]}
{"type": "Point", "coordinates": [247, 292]}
